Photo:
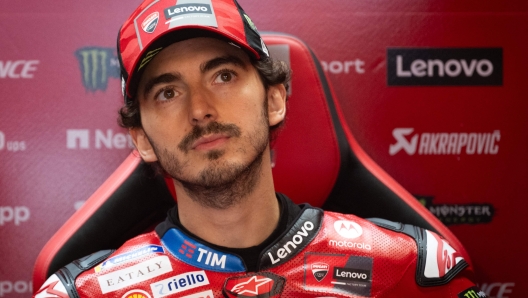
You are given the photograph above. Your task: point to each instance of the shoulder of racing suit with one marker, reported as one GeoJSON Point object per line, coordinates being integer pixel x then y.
{"type": "Point", "coordinates": [62, 283]}
{"type": "Point", "coordinates": [316, 241]}
{"type": "Point", "coordinates": [438, 262]}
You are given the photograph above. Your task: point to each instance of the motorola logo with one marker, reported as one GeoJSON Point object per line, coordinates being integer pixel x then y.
{"type": "Point", "coordinates": [348, 229]}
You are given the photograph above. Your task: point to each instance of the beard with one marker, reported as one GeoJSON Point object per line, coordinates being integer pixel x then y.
{"type": "Point", "coordinates": [222, 183]}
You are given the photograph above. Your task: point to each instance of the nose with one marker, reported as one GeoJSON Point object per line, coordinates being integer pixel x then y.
{"type": "Point", "coordinates": [201, 108]}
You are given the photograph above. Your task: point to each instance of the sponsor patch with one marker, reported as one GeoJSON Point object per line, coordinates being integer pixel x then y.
{"type": "Point", "coordinates": [452, 214]}
{"type": "Point", "coordinates": [189, 8]}
{"type": "Point", "coordinates": [188, 12]}
{"type": "Point", "coordinates": [298, 237]}
{"type": "Point", "coordinates": [348, 229]}
{"type": "Point", "coordinates": [444, 66]}
{"type": "Point", "coordinates": [143, 271]}
{"type": "Point", "coordinates": [53, 287]}
{"type": "Point", "coordinates": [472, 292]}
{"type": "Point", "coordinates": [148, 56]}
{"type": "Point", "coordinates": [179, 283]}
{"type": "Point", "coordinates": [441, 257]}
{"type": "Point", "coordinates": [351, 275]}
{"type": "Point", "coordinates": [196, 254]}
{"type": "Point", "coordinates": [250, 22]}
{"type": "Point", "coordinates": [136, 294]}
{"type": "Point", "coordinates": [150, 22]}
{"type": "Point", "coordinates": [150, 249]}
{"type": "Point", "coordinates": [319, 270]}
{"type": "Point", "coordinates": [261, 284]}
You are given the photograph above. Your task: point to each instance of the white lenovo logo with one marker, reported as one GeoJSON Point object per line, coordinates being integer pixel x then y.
{"type": "Point", "coordinates": [348, 229]}
{"type": "Point", "coordinates": [291, 246]}
{"type": "Point", "coordinates": [451, 68]}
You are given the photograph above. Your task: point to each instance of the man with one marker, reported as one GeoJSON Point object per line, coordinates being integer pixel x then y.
{"type": "Point", "coordinates": [202, 98]}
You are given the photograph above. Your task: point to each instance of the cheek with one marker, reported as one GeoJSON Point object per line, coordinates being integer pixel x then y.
{"type": "Point", "coordinates": [252, 97]}
{"type": "Point", "coordinates": [163, 127]}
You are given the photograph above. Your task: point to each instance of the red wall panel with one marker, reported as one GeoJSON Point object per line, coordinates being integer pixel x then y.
{"type": "Point", "coordinates": [59, 139]}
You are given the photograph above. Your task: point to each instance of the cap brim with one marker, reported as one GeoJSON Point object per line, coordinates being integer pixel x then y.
{"type": "Point", "coordinates": [177, 35]}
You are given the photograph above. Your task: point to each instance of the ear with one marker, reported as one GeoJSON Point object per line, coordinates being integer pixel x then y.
{"type": "Point", "coordinates": [143, 145]}
{"type": "Point", "coordinates": [276, 104]}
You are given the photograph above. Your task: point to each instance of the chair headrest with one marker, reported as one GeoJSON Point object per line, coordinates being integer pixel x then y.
{"type": "Point", "coordinates": [306, 152]}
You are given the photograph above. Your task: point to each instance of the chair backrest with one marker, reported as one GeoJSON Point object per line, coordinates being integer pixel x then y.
{"type": "Point", "coordinates": [316, 160]}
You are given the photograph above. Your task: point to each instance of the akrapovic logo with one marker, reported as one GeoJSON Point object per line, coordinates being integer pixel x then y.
{"type": "Point", "coordinates": [177, 10]}
{"type": "Point", "coordinates": [444, 67]}
{"type": "Point", "coordinates": [445, 143]}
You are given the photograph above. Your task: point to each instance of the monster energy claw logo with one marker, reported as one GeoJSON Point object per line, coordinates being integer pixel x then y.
{"type": "Point", "coordinates": [250, 22]}
{"type": "Point", "coordinates": [97, 64]}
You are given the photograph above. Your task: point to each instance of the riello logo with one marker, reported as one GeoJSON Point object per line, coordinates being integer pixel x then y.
{"type": "Point", "coordinates": [444, 66]}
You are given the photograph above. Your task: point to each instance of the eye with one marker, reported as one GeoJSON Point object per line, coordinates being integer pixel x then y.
{"type": "Point", "coordinates": [225, 76]}
{"type": "Point", "coordinates": [165, 94]}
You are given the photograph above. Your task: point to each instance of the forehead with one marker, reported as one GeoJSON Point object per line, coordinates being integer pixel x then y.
{"type": "Point", "coordinates": [193, 51]}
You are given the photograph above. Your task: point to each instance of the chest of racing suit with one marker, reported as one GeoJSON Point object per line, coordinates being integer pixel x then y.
{"type": "Point", "coordinates": [321, 254]}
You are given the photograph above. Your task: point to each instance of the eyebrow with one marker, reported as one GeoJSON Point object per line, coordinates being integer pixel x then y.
{"type": "Point", "coordinates": [163, 78]}
{"type": "Point", "coordinates": [215, 62]}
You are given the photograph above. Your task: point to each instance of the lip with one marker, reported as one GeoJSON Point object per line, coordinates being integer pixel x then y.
{"type": "Point", "coordinates": [209, 142]}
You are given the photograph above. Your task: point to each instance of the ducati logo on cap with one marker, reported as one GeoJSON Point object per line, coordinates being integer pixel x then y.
{"type": "Point", "coordinates": [150, 22]}
{"type": "Point", "coordinates": [319, 270]}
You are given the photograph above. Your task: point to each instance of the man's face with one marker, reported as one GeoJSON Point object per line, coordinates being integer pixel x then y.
{"type": "Point", "coordinates": [204, 114]}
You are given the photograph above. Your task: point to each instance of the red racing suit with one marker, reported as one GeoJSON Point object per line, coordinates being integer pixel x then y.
{"type": "Point", "coordinates": [320, 254]}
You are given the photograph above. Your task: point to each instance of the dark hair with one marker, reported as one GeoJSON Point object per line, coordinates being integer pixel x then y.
{"type": "Point", "coordinates": [271, 72]}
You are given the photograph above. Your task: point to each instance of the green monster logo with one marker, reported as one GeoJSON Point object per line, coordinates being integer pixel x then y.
{"type": "Point", "coordinates": [472, 292]}
{"type": "Point", "coordinates": [97, 64]}
{"type": "Point", "coordinates": [250, 22]}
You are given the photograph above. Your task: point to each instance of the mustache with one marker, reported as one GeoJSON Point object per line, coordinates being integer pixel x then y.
{"type": "Point", "coordinates": [197, 132]}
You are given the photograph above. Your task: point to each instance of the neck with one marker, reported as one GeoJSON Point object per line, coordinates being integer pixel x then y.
{"type": "Point", "coordinates": [246, 223]}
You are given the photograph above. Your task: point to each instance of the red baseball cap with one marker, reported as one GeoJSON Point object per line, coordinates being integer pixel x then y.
{"type": "Point", "coordinates": [156, 24]}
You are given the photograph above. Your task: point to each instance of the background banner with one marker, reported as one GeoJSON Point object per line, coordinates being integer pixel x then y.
{"type": "Point", "coordinates": [434, 91]}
